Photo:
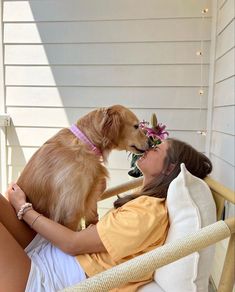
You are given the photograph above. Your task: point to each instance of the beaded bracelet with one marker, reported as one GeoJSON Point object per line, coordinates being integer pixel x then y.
{"type": "Point", "coordinates": [23, 209]}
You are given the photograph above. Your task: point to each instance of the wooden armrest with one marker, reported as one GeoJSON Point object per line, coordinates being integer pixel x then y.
{"type": "Point", "coordinates": [221, 190]}
{"type": "Point", "coordinates": [122, 188]}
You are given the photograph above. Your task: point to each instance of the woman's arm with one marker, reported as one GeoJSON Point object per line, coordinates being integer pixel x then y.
{"type": "Point", "coordinates": [71, 242]}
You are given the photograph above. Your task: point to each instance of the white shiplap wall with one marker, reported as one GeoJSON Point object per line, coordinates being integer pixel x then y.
{"type": "Point", "coordinates": [64, 58]}
{"type": "Point", "coordinates": [222, 143]}
{"type": "Point", "coordinates": [223, 135]}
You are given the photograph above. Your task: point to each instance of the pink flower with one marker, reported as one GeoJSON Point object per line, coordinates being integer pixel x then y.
{"type": "Point", "coordinates": [156, 133]}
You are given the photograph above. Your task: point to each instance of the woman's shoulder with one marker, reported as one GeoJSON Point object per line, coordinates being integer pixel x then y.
{"type": "Point", "coordinates": [148, 199]}
{"type": "Point", "coordinates": [145, 202]}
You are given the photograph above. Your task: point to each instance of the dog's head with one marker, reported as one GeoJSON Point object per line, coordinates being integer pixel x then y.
{"type": "Point", "coordinates": [120, 129]}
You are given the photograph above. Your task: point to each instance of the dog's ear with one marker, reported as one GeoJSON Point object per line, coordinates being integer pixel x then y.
{"type": "Point", "coordinates": [111, 123]}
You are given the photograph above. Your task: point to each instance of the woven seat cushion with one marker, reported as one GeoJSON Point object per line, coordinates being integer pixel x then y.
{"type": "Point", "coordinates": [191, 207]}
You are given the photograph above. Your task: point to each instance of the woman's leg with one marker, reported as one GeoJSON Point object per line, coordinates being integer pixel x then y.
{"type": "Point", "coordinates": [22, 233]}
{"type": "Point", "coordinates": [14, 263]}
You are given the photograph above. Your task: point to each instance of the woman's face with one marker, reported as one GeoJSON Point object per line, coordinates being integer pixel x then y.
{"type": "Point", "coordinates": [152, 162]}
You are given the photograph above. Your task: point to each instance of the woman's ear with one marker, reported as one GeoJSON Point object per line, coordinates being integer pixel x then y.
{"type": "Point", "coordinates": [170, 168]}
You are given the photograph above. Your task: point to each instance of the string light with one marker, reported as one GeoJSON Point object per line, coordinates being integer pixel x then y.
{"type": "Point", "coordinates": [205, 10]}
{"type": "Point", "coordinates": [203, 133]}
{"type": "Point", "coordinates": [200, 53]}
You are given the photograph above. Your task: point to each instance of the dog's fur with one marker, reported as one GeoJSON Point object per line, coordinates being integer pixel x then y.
{"type": "Point", "coordinates": [64, 178]}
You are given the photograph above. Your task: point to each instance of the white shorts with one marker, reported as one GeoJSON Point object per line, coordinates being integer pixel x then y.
{"type": "Point", "coordinates": [51, 269]}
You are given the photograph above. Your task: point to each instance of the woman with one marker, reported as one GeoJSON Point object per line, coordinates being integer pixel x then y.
{"type": "Point", "coordinates": [58, 257]}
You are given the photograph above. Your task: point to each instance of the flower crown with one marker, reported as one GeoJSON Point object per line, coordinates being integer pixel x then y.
{"type": "Point", "coordinates": [156, 134]}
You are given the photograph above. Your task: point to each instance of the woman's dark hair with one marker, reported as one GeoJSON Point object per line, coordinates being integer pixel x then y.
{"type": "Point", "coordinates": [177, 152]}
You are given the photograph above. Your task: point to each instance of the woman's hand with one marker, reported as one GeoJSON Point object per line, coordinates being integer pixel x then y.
{"type": "Point", "coordinates": [15, 196]}
{"type": "Point", "coordinates": [71, 242]}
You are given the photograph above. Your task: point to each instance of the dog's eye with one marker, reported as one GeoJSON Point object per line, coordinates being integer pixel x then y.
{"type": "Point", "coordinates": [136, 126]}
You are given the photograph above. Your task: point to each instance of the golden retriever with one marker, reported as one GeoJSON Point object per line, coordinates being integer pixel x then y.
{"type": "Point", "coordinates": [64, 178]}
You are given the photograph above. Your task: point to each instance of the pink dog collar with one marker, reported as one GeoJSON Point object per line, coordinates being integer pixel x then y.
{"type": "Point", "coordinates": [81, 136]}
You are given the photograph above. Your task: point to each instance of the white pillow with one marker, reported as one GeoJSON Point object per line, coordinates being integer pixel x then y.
{"type": "Point", "coordinates": [191, 207]}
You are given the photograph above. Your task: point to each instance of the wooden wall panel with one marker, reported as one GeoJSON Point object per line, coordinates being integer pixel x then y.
{"type": "Point", "coordinates": [145, 75]}
{"type": "Point", "coordinates": [106, 54]}
{"type": "Point", "coordinates": [225, 40]}
{"type": "Point", "coordinates": [111, 31]}
{"type": "Point", "coordinates": [225, 66]}
{"type": "Point", "coordinates": [78, 10]}
{"type": "Point", "coordinates": [224, 92]}
{"type": "Point", "coordinates": [223, 171]}
{"type": "Point", "coordinates": [219, 146]}
{"type": "Point", "coordinates": [134, 97]}
{"type": "Point", "coordinates": [225, 15]}
{"type": "Point", "coordinates": [223, 120]}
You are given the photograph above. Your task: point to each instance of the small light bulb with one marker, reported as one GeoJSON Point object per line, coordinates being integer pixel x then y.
{"type": "Point", "coordinates": [205, 10]}
{"type": "Point", "coordinates": [199, 53]}
{"type": "Point", "coordinates": [201, 92]}
{"type": "Point", "coordinates": [203, 133]}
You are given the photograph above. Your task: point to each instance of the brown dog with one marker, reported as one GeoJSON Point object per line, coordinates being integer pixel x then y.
{"type": "Point", "coordinates": [65, 177]}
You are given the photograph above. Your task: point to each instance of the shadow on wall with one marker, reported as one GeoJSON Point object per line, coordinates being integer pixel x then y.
{"type": "Point", "coordinates": [16, 154]}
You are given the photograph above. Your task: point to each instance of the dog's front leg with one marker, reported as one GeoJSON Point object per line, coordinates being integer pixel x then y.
{"type": "Point", "coordinates": [73, 221]}
{"type": "Point", "coordinates": [91, 215]}
{"type": "Point", "coordinates": [92, 218]}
